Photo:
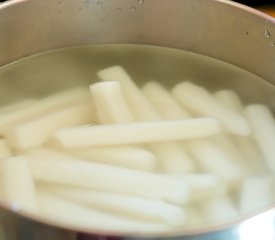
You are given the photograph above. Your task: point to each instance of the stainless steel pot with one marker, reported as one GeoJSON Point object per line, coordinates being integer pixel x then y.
{"type": "Point", "coordinates": [217, 28]}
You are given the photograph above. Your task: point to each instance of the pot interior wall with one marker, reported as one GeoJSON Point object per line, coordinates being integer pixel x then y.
{"type": "Point", "coordinates": [220, 29]}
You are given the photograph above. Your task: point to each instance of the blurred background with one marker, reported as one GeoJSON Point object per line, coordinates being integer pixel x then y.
{"type": "Point", "coordinates": [267, 6]}
{"type": "Point", "coordinates": [256, 2]}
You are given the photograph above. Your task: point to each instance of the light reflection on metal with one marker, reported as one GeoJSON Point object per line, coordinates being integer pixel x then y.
{"type": "Point", "coordinates": [259, 227]}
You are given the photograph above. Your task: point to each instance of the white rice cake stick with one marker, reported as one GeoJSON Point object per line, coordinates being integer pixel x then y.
{"type": "Point", "coordinates": [247, 146]}
{"type": "Point", "coordinates": [141, 108]}
{"type": "Point", "coordinates": [51, 166]}
{"type": "Point", "coordinates": [110, 104]}
{"type": "Point", "coordinates": [173, 158]}
{"type": "Point", "coordinates": [219, 208]}
{"type": "Point", "coordinates": [133, 207]}
{"type": "Point", "coordinates": [263, 130]}
{"type": "Point", "coordinates": [221, 139]}
{"type": "Point", "coordinates": [193, 216]}
{"type": "Point", "coordinates": [18, 184]}
{"type": "Point", "coordinates": [61, 211]}
{"type": "Point", "coordinates": [5, 150]}
{"type": "Point", "coordinates": [231, 99]}
{"type": "Point", "coordinates": [176, 113]}
{"type": "Point", "coordinates": [36, 132]}
{"type": "Point", "coordinates": [44, 106]}
{"type": "Point", "coordinates": [123, 156]}
{"type": "Point", "coordinates": [164, 102]}
{"type": "Point", "coordinates": [253, 155]}
{"type": "Point", "coordinates": [214, 160]}
{"type": "Point", "coordinates": [200, 101]}
{"type": "Point", "coordinates": [138, 132]}
{"type": "Point", "coordinates": [229, 147]}
{"type": "Point", "coordinates": [256, 194]}
{"type": "Point", "coordinates": [112, 107]}
{"type": "Point", "coordinates": [204, 185]}
{"type": "Point", "coordinates": [17, 105]}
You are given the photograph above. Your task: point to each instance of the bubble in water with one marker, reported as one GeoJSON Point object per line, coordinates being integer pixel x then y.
{"type": "Point", "coordinates": [140, 1]}
{"type": "Point", "coordinates": [273, 44]}
{"type": "Point", "coordinates": [133, 9]}
{"type": "Point", "coordinates": [267, 34]}
{"type": "Point", "coordinates": [99, 3]}
{"type": "Point", "coordinates": [118, 10]}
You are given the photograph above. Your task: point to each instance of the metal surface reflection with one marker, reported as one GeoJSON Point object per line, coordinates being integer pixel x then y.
{"type": "Point", "coordinates": [259, 227]}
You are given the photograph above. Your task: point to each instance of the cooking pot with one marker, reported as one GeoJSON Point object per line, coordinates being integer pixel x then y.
{"type": "Point", "coordinates": [221, 29]}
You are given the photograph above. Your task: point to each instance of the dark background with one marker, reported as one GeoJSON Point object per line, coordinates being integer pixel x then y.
{"type": "Point", "coordinates": [247, 2]}
{"type": "Point", "coordinates": [257, 2]}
